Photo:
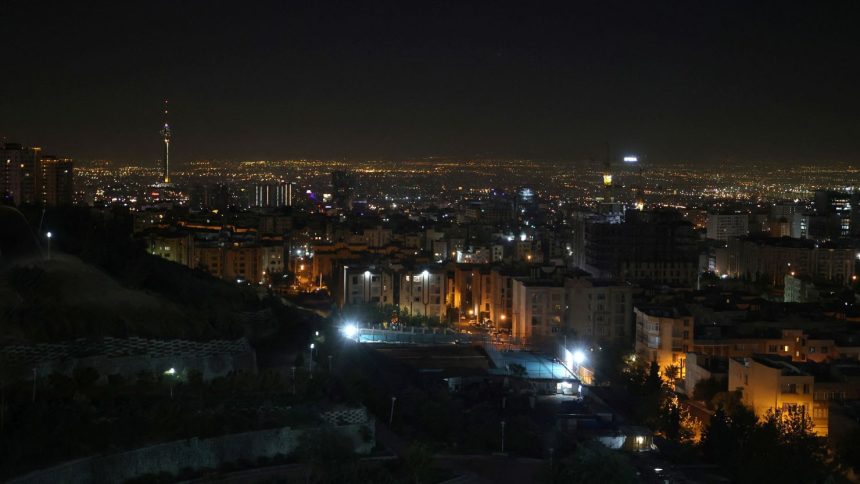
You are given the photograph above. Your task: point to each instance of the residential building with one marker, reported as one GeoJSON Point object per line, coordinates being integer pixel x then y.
{"type": "Point", "coordinates": [649, 247]}
{"type": "Point", "coordinates": [57, 181]}
{"type": "Point", "coordinates": [173, 246]}
{"type": "Point", "coordinates": [770, 383]}
{"type": "Point", "coordinates": [367, 285]}
{"type": "Point", "coordinates": [723, 226]}
{"type": "Point", "coordinates": [799, 289]}
{"type": "Point", "coordinates": [423, 291]}
{"type": "Point", "coordinates": [771, 259]}
{"type": "Point", "coordinates": [664, 333]}
{"type": "Point", "coordinates": [538, 309]}
{"type": "Point", "coordinates": [599, 310]}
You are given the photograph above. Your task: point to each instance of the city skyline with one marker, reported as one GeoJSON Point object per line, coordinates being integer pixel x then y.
{"type": "Point", "coordinates": [387, 241]}
{"type": "Point", "coordinates": [694, 84]}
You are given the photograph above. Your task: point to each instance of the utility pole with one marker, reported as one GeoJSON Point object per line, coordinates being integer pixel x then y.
{"type": "Point", "coordinates": [391, 416]}
{"type": "Point", "coordinates": [293, 369]}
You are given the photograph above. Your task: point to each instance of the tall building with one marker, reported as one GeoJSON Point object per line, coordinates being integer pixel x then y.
{"type": "Point", "coordinates": [843, 206]}
{"type": "Point", "coordinates": [272, 194]}
{"type": "Point", "coordinates": [20, 177]}
{"type": "Point", "coordinates": [165, 157]}
{"type": "Point", "coordinates": [648, 246]}
{"type": "Point", "coordinates": [57, 181]}
{"type": "Point", "coordinates": [800, 225]}
{"type": "Point", "coordinates": [343, 185]}
{"type": "Point", "coordinates": [724, 226]}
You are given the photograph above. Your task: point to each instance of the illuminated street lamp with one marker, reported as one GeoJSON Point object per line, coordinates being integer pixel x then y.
{"type": "Point", "coordinates": [350, 330]}
{"type": "Point", "coordinates": [171, 374]}
{"type": "Point", "coordinates": [49, 235]}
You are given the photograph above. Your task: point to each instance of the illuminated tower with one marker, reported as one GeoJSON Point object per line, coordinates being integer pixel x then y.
{"type": "Point", "coordinates": [165, 135]}
{"type": "Point", "coordinates": [607, 169]}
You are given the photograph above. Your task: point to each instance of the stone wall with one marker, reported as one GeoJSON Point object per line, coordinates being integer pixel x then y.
{"type": "Point", "coordinates": [130, 356]}
{"type": "Point", "coordinates": [192, 454]}
{"type": "Point", "coordinates": [210, 366]}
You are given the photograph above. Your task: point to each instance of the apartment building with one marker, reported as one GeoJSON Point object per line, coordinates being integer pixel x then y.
{"type": "Point", "coordinates": [538, 309]}
{"type": "Point", "coordinates": [664, 333]}
{"type": "Point", "coordinates": [774, 383]}
{"type": "Point", "coordinates": [599, 310]}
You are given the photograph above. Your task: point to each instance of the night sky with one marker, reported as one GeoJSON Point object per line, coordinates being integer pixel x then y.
{"type": "Point", "coordinates": [252, 80]}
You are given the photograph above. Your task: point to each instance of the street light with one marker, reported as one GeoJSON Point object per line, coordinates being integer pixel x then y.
{"type": "Point", "coordinates": [503, 436]}
{"type": "Point", "coordinates": [311, 361]}
{"type": "Point", "coordinates": [48, 236]}
{"type": "Point", "coordinates": [350, 330]}
{"type": "Point", "coordinates": [171, 373]}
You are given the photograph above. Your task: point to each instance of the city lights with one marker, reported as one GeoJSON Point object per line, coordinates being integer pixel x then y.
{"type": "Point", "coordinates": [459, 233]}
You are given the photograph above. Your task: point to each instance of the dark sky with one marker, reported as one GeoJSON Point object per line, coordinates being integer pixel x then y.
{"type": "Point", "coordinates": [687, 80]}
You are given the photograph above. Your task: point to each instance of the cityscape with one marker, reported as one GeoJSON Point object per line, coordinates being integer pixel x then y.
{"type": "Point", "coordinates": [613, 306]}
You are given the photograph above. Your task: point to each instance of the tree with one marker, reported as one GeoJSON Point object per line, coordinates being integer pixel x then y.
{"type": "Point", "coordinates": [594, 463]}
{"type": "Point", "coordinates": [329, 456]}
{"type": "Point", "coordinates": [718, 442]}
{"type": "Point", "coordinates": [848, 452]}
{"type": "Point", "coordinates": [779, 448]}
{"type": "Point", "coordinates": [653, 383]}
{"type": "Point", "coordinates": [417, 462]}
{"type": "Point", "coordinates": [731, 402]}
{"type": "Point", "coordinates": [706, 388]}
{"type": "Point", "coordinates": [672, 372]}
{"type": "Point", "coordinates": [678, 424]}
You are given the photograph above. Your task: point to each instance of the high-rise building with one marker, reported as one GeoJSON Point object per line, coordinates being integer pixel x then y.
{"type": "Point", "coordinates": [724, 226]}
{"type": "Point", "coordinates": [343, 185]}
{"type": "Point", "coordinates": [843, 207]}
{"type": "Point", "coordinates": [272, 194]}
{"type": "Point", "coordinates": [649, 246]}
{"type": "Point", "coordinates": [20, 177]}
{"type": "Point", "coordinates": [800, 225]}
{"type": "Point", "coordinates": [57, 181]}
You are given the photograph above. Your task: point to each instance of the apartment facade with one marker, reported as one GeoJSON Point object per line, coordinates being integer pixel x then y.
{"type": "Point", "coordinates": [773, 383]}
{"type": "Point", "coordinates": [663, 334]}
